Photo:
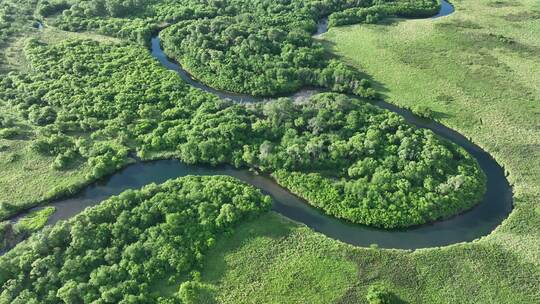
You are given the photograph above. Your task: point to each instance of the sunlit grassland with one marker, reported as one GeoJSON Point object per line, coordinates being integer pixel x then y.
{"type": "Point", "coordinates": [274, 260]}
{"type": "Point", "coordinates": [28, 177]}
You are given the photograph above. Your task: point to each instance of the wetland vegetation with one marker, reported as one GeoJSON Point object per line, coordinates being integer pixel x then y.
{"type": "Point", "coordinates": [76, 110]}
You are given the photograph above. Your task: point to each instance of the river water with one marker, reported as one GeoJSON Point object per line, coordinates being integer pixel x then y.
{"type": "Point", "coordinates": [475, 223]}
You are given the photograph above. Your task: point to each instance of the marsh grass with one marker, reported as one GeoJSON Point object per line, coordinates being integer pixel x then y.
{"type": "Point", "coordinates": [34, 221]}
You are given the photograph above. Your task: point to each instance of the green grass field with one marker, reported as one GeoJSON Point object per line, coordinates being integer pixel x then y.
{"type": "Point", "coordinates": [28, 177]}
{"type": "Point", "coordinates": [478, 70]}
{"type": "Point", "coordinates": [273, 260]}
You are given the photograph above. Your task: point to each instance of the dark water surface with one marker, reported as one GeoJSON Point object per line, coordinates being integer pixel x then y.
{"type": "Point", "coordinates": [446, 9]}
{"type": "Point", "coordinates": [466, 227]}
{"type": "Point", "coordinates": [475, 223]}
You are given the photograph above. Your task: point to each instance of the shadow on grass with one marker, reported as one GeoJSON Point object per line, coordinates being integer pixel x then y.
{"type": "Point", "coordinates": [330, 48]}
{"type": "Point", "coordinates": [269, 225]}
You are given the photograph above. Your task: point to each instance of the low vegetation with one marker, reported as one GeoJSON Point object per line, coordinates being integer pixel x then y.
{"type": "Point", "coordinates": [12, 233]}
{"type": "Point", "coordinates": [34, 221]}
{"type": "Point", "coordinates": [273, 259]}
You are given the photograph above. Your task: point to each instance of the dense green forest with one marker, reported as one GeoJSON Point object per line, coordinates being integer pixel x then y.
{"type": "Point", "coordinates": [238, 54]}
{"type": "Point", "coordinates": [260, 47]}
{"type": "Point", "coordinates": [91, 103]}
{"type": "Point", "coordinates": [139, 239]}
{"type": "Point", "coordinates": [384, 9]}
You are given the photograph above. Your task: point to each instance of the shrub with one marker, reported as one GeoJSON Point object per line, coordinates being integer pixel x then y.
{"type": "Point", "coordinates": [423, 111]}
{"type": "Point", "coordinates": [378, 294]}
{"type": "Point", "coordinates": [9, 133]}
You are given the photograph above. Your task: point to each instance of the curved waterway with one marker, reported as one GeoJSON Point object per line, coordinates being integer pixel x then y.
{"type": "Point", "coordinates": [446, 9]}
{"type": "Point", "coordinates": [475, 223]}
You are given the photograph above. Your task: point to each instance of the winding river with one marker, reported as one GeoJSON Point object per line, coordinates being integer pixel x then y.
{"type": "Point", "coordinates": [475, 223]}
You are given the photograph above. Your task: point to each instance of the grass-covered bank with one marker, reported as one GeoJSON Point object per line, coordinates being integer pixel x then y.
{"type": "Point", "coordinates": [273, 260]}
{"type": "Point", "coordinates": [12, 233]}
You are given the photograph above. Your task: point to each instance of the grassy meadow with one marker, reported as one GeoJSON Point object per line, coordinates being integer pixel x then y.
{"type": "Point", "coordinates": [477, 69]}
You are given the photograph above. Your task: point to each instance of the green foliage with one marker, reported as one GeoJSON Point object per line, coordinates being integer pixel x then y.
{"type": "Point", "coordinates": [194, 292]}
{"type": "Point", "coordinates": [423, 111]}
{"type": "Point", "coordinates": [260, 48]}
{"type": "Point", "coordinates": [34, 221]}
{"type": "Point", "coordinates": [347, 157]}
{"type": "Point", "coordinates": [8, 133]}
{"type": "Point", "coordinates": [386, 8]}
{"type": "Point", "coordinates": [6, 230]}
{"type": "Point", "coordinates": [378, 294]}
{"type": "Point", "coordinates": [47, 8]}
{"type": "Point", "coordinates": [41, 115]}
{"type": "Point", "coordinates": [12, 233]}
{"type": "Point", "coordinates": [16, 16]}
{"type": "Point", "coordinates": [106, 158]}
{"type": "Point", "coordinates": [137, 238]}
{"type": "Point", "coordinates": [242, 54]}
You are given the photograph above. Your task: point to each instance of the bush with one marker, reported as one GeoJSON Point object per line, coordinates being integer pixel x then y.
{"type": "Point", "coordinates": [193, 292]}
{"type": "Point", "coordinates": [41, 116]}
{"type": "Point", "coordinates": [423, 111]}
{"type": "Point", "coordinates": [9, 133]}
{"type": "Point", "coordinates": [378, 294]}
{"type": "Point", "coordinates": [64, 160]}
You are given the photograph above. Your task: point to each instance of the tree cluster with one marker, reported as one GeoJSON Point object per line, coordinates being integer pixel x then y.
{"type": "Point", "coordinates": [241, 54]}
{"type": "Point", "coordinates": [385, 8]}
{"type": "Point", "coordinates": [120, 250]}
{"type": "Point", "coordinates": [261, 48]}
{"type": "Point", "coordinates": [345, 156]}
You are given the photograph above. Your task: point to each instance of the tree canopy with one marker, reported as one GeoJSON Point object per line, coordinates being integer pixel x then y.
{"type": "Point", "coordinates": [139, 239]}
{"type": "Point", "coordinates": [342, 154]}
{"type": "Point", "coordinates": [261, 48]}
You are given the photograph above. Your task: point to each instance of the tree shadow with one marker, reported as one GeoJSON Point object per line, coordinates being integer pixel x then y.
{"type": "Point", "coordinates": [330, 48]}
{"type": "Point", "coordinates": [269, 225]}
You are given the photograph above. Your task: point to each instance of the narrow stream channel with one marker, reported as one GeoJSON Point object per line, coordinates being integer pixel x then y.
{"type": "Point", "coordinates": [475, 223]}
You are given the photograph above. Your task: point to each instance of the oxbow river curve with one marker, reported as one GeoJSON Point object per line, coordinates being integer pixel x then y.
{"type": "Point", "coordinates": [475, 223]}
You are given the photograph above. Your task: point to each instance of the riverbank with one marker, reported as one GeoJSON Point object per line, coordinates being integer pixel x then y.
{"type": "Point", "coordinates": [468, 226]}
